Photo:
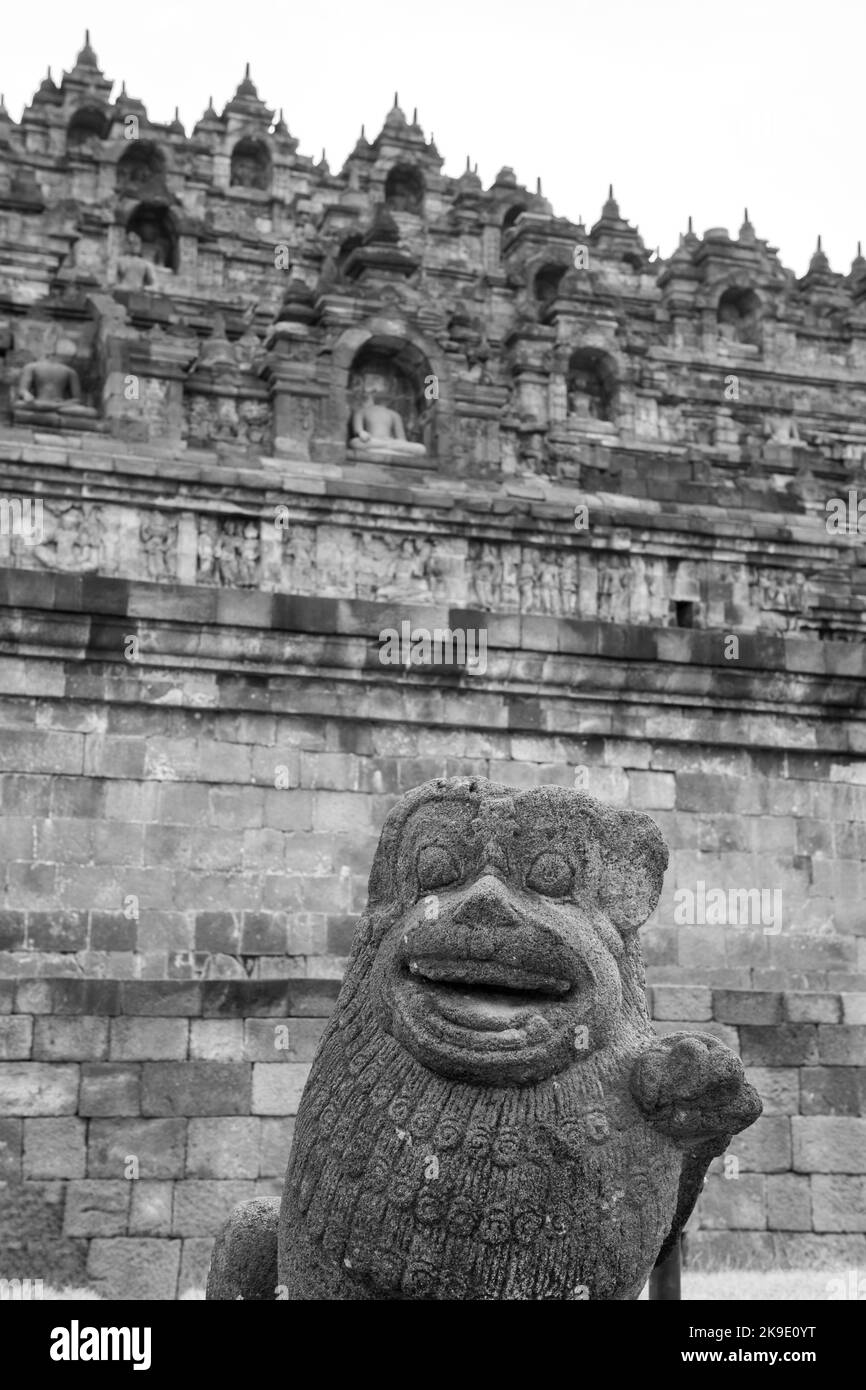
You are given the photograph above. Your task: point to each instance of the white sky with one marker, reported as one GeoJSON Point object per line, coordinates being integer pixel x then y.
{"type": "Point", "coordinates": [685, 106]}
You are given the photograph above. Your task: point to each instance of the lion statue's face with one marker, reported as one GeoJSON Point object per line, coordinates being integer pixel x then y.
{"type": "Point", "coordinates": [501, 927]}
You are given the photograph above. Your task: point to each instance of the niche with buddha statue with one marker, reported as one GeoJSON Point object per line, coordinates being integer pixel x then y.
{"type": "Point", "coordinates": [154, 225]}
{"type": "Point", "coordinates": [392, 410]}
{"type": "Point", "coordinates": [57, 384]}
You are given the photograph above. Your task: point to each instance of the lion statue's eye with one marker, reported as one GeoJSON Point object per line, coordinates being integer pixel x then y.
{"type": "Point", "coordinates": [550, 874]}
{"type": "Point", "coordinates": [436, 868]}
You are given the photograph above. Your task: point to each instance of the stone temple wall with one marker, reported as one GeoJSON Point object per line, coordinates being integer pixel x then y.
{"type": "Point", "coordinates": [135, 1114]}
{"type": "Point", "coordinates": [627, 479]}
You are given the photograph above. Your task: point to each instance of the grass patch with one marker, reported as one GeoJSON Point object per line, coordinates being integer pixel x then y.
{"type": "Point", "coordinates": [717, 1286]}
{"type": "Point", "coordinates": [774, 1285]}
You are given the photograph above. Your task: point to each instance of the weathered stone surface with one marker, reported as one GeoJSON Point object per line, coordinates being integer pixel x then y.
{"type": "Point", "coordinates": [278, 1086]}
{"type": "Point", "coordinates": [686, 1002]}
{"type": "Point", "coordinates": [16, 1036]}
{"type": "Point", "coordinates": [200, 1208]}
{"type": "Point", "coordinates": [216, 1039]}
{"type": "Point", "coordinates": [150, 1210]}
{"type": "Point", "coordinates": [11, 1149]}
{"type": "Point", "coordinates": [493, 1023]}
{"type": "Point", "coordinates": [841, 1046]}
{"type": "Point", "coordinates": [110, 1089]}
{"type": "Point", "coordinates": [832, 1091]}
{"type": "Point", "coordinates": [834, 1144]}
{"type": "Point", "coordinates": [96, 1208]}
{"type": "Point", "coordinates": [736, 1203]}
{"type": "Point", "coordinates": [722, 1031]}
{"type": "Point", "coordinates": [747, 1006]}
{"type": "Point", "coordinates": [838, 1203]}
{"type": "Point", "coordinates": [789, 1202]}
{"type": "Point", "coordinates": [778, 1087]}
{"type": "Point", "coordinates": [148, 1039]}
{"type": "Point", "coordinates": [142, 1269]}
{"type": "Point", "coordinates": [195, 1088]}
{"type": "Point", "coordinates": [244, 1259]}
{"type": "Point", "coordinates": [32, 1239]}
{"type": "Point", "coordinates": [275, 1146]}
{"type": "Point", "coordinates": [194, 1263]}
{"type": "Point", "coordinates": [54, 1148]}
{"type": "Point", "coordinates": [765, 1146]}
{"type": "Point", "coordinates": [38, 1088]}
{"type": "Point", "coordinates": [812, 1008]}
{"type": "Point", "coordinates": [223, 1148]}
{"type": "Point", "coordinates": [788, 1044]}
{"type": "Point", "coordinates": [136, 1148]}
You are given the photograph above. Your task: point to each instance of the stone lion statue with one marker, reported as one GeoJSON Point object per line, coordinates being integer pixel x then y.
{"type": "Point", "coordinates": [490, 1114]}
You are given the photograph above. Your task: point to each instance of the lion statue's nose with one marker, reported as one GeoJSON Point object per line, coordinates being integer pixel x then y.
{"type": "Point", "coordinates": [488, 903]}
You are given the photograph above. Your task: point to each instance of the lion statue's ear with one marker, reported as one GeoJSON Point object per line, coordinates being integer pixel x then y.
{"type": "Point", "coordinates": [634, 859]}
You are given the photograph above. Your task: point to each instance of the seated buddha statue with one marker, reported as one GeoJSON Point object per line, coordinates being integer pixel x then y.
{"type": "Point", "coordinates": [134, 271]}
{"type": "Point", "coordinates": [378, 428]}
{"type": "Point", "coordinates": [50, 385]}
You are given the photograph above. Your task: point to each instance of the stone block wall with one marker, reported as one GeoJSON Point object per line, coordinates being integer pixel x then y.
{"type": "Point", "coordinates": [135, 1114]}
{"type": "Point", "coordinates": [790, 1192]}
{"type": "Point", "coordinates": [185, 814]}
{"type": "Point", "coordinates": [187, 839]}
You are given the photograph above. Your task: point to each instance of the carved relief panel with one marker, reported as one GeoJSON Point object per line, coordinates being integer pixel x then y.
{"type": "Point", "coordinates": [614, 584]}
{"type": "Point", "coordinates": [210, 419]}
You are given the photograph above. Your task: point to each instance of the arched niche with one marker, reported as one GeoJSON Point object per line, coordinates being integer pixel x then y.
{"type": "Point", "coordinates": [590, 385]}
{"type": "Point", "coordinates": [87, 127]}
{"type": "Point", "coordinates": [396, 372]}
{"type": "Point", "coordinates": [545, 283]}
{"type": "Point", "coordinates": [155, 226]}
{"type": "Point", "coordinates": [738, 315]}
{"type": "Point", "coordinates": [140, 166]}
{"type": "Point", "coordinates": [404, 189]}
{"type": "Point", "coordinates": [511, 215]}
{"type": "Point", "coordinates": [251, 164]}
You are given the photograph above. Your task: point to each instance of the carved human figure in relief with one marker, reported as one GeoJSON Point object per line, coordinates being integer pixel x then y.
{"type": "Point", "coordinates": [510, 600]}
{"type": "Point", "coordinates": [157, 542]}
{"type": "Point", "coordinates": [526, 581]}
{"type": "Point", "coordinates": [406, 577]}
{"type": "Point", "coordinates": [568, 583]}
{"type": "Point", "coordinates": [483, 578]}
{"type": "Point", "coordinates": [50, 385]}
{"type": "Point", "coordinates": [76, 541]}
{"type": "Point", "coordinates": [207, 552]}
{"type": "Point", "coordinates": [249, 555]}
{"type": "Point", "coordinates": [549, 583]}
{"type": "Point", "coordinates": [134, 271]}
{"type": "Point", "coordinates": [377, 426]}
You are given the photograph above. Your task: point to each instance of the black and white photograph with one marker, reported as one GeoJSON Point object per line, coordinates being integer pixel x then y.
{"type": "Point", "coordinates": [432, 669]}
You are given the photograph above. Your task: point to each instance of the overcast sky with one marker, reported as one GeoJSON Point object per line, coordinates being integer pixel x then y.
{"type": "Point", "coordinates": [685, 107]}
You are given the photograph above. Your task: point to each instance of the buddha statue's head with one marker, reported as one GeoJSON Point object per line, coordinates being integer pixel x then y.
{"type": "Point", "coordinates": [375, 388]}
